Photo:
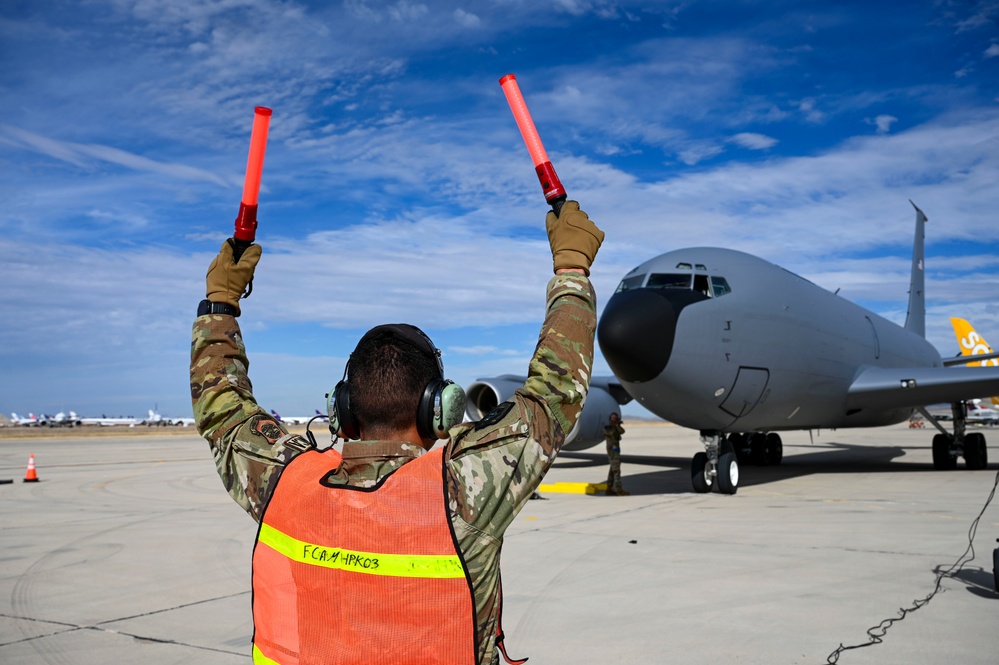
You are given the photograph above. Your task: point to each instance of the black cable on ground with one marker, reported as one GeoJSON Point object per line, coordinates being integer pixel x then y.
{"type": "Point", "coordinates": [875, 633]}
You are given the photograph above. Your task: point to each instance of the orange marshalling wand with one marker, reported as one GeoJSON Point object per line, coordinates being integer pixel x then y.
{"type": "Point", "coordinates": [246, 220]}
{"type": "Point", "coordinates": [550, 184]}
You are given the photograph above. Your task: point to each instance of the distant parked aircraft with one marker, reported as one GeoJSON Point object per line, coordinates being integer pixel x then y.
{"type": "Point", "coordinates": [30, 421]}
{"type": "Point", "coordinates": [973, 344]}
{"type": "Point", "coordinates": [297, 420]}
{"type": "Point", "coordinates": [105, 421]}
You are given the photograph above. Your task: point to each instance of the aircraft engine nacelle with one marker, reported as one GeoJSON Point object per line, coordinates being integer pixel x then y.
{"type": "Point", "coordinates": [601, 401]}
{"type": "Point", "coordinates": [485, 394]}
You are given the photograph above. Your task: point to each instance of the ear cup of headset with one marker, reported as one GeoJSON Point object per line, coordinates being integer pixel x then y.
{"type": "Point", "coordinates": [441, 407]}
{"type": "Point", "coordinates": [342, 421]}
{"type": "Point", "coordinates": [452, 410]}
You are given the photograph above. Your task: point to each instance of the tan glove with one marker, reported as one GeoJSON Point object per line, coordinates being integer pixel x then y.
{"type": "Point", "coordinates": [226, 281]}
{"type": "Point", "coordinates": [573, 237]}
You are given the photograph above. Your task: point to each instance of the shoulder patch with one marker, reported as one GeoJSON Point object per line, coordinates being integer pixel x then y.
{"type": "Point", "coordinates": [494, 416]}
{"type": "Point", "coordinates": [266, 427]}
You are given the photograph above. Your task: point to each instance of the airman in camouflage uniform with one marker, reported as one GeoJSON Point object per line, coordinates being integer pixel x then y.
{"type": "Point", "coordinates": [612, 433]}
{"type": "Point", "coordinates": [493, 466]}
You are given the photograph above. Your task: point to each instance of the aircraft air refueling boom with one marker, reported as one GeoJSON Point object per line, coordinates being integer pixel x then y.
{"type": "Point", "coordinates": [246, 220]}
{"type": "Point", "coordinates": [554, 192]}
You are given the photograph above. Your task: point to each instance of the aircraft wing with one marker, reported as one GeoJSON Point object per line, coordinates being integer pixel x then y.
{"type": "Point", "coordinates": [879, 388]}
{"type": "Point", "coordinates": [967, 360]}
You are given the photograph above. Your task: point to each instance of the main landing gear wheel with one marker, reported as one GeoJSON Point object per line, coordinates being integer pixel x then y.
{"type": "Point", "coordinates": [699, 477]}
{"type": "Point", "coordinates": [775, 449]}
{"type": "Point", "coordinates": [976, 455]}
{"type": "Point", "coordinates": [740, 445]}
{"type": "Point", "coordinates": [948, 447]}
{"type": "Point", "coordinates": [758, 448]}
{"type": "Point", "coordinates": [942, 459]}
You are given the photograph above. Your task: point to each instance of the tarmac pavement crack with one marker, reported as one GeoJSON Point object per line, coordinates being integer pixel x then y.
{"type": "Point", "coordinates": [100, 626]}
{"type": "Point", "coordinates": [157, 640]}
{"type": "Point", "coordinates": [171, 609]}
{"type": "Point", "coordinates": [70, 628]}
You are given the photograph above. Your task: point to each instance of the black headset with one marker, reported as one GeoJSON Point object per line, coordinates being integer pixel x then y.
{"type": "Point", "coordinates": [442, 404]}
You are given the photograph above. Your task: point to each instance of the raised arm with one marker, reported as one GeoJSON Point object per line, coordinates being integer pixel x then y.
{"type": "Point", "coordinates": [498, 463]}
{"type": "Point", "coordinates": [249, 446]}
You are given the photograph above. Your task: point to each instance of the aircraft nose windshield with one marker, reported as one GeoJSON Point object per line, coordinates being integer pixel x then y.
{"type": "Point", "coordinates": [637, 330]}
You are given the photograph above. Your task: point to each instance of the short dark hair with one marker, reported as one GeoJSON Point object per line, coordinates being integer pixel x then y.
{"type": "Point", "coordinates": [388, 375]}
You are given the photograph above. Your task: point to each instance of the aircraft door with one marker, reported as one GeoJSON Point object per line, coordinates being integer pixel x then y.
{"type": "Point", "coordinates": [745, 393]}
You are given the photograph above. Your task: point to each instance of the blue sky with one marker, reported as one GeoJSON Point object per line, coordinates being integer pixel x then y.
{"type": "Point", "coordinates": [397, 188]}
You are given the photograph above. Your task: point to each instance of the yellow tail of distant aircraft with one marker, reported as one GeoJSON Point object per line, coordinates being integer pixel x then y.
{"type": "Point", "coordinates": [972, 344]}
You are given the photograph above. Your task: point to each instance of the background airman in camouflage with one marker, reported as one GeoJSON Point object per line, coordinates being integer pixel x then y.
{"type": "Point", "coordinates": [493, 466]}
{"type": "Point", "coordinates": [612, 433]}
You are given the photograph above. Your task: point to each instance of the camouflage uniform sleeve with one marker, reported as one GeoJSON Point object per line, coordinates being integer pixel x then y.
{"type": "Point", "coordinates": [498, 463]}
{"type": "Point", "coordinates": [249, 446]}
{"type": "Point", "coordinates": [495, 465]}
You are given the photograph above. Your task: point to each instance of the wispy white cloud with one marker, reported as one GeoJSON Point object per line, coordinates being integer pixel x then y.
{"type": "Point", "coordinates": [812, 114]}
{"type": "Point", "coordinates": [695, 151]}
{"type": "Point", "coordinates": [974, 15]}
{"type": "Point", "coordinates": [408, 12]}
{"type": "Point", "coordinates": [884, 123]}
{"type": "Point", "coordinates": [483, 350]}
{"type": "Point", "coordinates": [754, 141]}
{"type": "Point", "coordinates": [123, 217]}
{"type": "Point", "coordinates": [467, 19]}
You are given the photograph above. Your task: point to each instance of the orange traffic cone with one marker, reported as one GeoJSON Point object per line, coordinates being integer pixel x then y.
{"type": "Point", "coordinates": [31, 476]}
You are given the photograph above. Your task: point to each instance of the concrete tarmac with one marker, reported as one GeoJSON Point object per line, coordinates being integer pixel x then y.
{"type": "Point", "coordinates": [129, 550]}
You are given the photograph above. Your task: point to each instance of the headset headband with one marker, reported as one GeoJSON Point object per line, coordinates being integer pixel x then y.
{"type": "Point", "coordinates": [408, 333]}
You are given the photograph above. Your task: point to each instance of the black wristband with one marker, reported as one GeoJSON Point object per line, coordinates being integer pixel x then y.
{"type": "Point", "coordinates": [209, 307]}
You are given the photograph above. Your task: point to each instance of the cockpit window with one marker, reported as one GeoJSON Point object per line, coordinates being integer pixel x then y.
{"type": "Point", "coordinates": [712, 287]}
{"type": "Point", "coordinates": [701, 284]}
{"type": "Point", "coordinates": [697, 280]}
{"type": "Point", "coordinates": [668, 281]}
{"type": "Point", "coordinates": [720, 286]}
{"type": "Point", "coordinates": [630, 283]}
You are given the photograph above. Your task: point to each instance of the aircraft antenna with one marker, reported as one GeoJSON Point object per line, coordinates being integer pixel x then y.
{"type": "Point", "coordinates": [915, 318]}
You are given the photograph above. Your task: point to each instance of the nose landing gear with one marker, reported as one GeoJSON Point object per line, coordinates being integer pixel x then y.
{"type": "Point", "coordinates": [718, 466]}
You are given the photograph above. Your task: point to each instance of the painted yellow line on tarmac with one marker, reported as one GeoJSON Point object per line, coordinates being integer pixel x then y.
{"type": "Point", "coordinates": [573, 488]}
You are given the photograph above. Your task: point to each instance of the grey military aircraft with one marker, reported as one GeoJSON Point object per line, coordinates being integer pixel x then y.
{"type": "Point", "coordinates": [738, 348]}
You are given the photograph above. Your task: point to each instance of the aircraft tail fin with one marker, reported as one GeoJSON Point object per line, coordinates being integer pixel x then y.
{"type": "Point", "coordinates": [915, 319]}
{"type": "Point", "coordinates": [973, 344]}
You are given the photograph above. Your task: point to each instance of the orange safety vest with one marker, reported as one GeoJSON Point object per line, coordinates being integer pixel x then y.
{"type": "Point", "coordinates": [360, 575]}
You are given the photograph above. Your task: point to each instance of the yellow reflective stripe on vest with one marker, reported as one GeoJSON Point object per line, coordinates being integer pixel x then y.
{"type": "Point", "coordinates": [395, 565]}
{"type": "Point", "coordinates": [260, 659]}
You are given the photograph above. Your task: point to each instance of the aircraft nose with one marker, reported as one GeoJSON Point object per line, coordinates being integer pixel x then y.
{"type": "Point", "coordinates": [637, 330]}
